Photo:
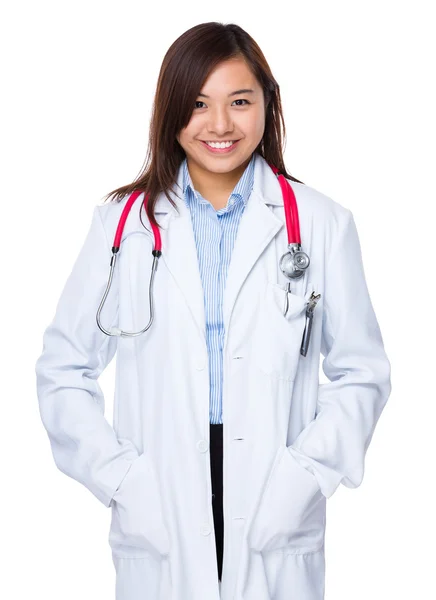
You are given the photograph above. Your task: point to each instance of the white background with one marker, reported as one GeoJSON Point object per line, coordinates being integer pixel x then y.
{"type": "Point", "coordinates": [357, 84]}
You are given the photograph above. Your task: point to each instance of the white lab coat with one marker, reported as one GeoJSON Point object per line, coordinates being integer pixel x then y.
{"type": "Point", "coordinates": [288, 441]}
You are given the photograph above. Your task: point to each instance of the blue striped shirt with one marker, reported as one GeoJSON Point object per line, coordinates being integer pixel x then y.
{"type": "Point", "coordinates": [215, 234]}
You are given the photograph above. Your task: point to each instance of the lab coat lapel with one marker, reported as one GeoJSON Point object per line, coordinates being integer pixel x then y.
{"type": "Point", "coordinates": [179, 253]}
{"type": "Point", "coordinates": [257, 227]}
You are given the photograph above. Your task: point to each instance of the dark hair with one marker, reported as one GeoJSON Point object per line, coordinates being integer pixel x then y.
{"type": "Point", "coordinates": [185, 67]}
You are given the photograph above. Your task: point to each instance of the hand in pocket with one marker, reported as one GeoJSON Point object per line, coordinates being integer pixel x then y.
{"type": "Point", "coordinates": [137, 519]}
{"type": "Point", "coordinates": [291, 510]}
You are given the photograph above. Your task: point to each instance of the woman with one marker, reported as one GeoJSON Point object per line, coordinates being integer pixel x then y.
{"type": "Point", "coordinates": [224, 447]}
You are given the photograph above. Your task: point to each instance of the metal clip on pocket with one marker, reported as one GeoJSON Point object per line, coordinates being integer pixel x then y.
{"type": "Point", "coordinates": [308, 327]}
{"type": "Point", "coordinates": [288, 291]}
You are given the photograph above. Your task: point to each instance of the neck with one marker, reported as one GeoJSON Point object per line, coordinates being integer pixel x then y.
{"type": "Point", "coordinates": [213, 185]}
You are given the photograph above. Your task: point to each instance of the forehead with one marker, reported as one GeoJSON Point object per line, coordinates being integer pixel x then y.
{"type": "Point", "coordinates": [230, 76]}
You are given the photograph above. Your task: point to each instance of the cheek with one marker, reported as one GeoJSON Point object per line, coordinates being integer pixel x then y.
{"type": "Point", "coordinates": [254, 124]}
{"type": "Point", "coordinates": [189, 135]}
{"type": "Point", "coordinates": [182, 136]}
{"type": "Point", "coordinates": [185, 138]}
{"type": "Point", "coordinates": [260, 122]}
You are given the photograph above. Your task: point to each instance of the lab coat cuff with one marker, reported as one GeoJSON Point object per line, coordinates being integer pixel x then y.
{"type": "Point", "coordinates": [327, 479]}
{"type": "Point", "coordinates": [114, 476]}
{"type": "Point", "coordinates": [303, 479]}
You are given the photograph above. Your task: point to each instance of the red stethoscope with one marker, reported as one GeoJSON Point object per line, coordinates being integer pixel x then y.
{"type": "Point", "coordinates": [293, 263]}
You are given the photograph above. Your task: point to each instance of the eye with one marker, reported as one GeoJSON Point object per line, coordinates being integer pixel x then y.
{"type": "Point", "coordinates": [239, 100]}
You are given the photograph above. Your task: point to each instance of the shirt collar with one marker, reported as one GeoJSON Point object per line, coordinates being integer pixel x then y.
{"type": "Point", "coordinates": [241, 191]}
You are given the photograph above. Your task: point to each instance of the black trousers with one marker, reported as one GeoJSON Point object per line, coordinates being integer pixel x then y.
{"type": "Point", "coordinates": [216, 469]}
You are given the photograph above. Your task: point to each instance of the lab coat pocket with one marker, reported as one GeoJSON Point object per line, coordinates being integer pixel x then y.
{"type": "Point", "coordinates": [291, 511]}
{"type": "Point", "coordinates": [277, 336]}
{"type": "Point", "coordinates": [137, 526]}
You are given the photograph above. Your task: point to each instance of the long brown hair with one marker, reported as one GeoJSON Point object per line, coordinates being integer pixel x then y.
{"type": "Point", "coordinates": [185, 67]}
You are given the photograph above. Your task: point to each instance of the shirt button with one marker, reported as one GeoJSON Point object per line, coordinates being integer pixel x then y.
{"type": "Point", "coordinates": [202, 446]}
{"type": "Point", "coordinates": [205, 529]}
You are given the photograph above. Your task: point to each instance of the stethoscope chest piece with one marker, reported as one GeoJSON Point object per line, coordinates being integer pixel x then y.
{"type": "Point", "coordinates": [294, 262]}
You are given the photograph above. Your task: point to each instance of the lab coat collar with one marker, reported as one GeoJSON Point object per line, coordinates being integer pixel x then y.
{"type": "Point", "coordinates": [265, 187]}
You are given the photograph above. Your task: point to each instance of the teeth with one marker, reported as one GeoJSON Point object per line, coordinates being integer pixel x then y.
{"type": "Point", "coordinates": [220, 144]}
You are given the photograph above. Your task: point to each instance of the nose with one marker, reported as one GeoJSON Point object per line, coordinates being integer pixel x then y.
{"type": "Point", "coordinates": [219, 121]}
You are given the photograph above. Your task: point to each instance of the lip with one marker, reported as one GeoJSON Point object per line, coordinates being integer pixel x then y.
{"type": "Point", "coordinates": [220, 150]}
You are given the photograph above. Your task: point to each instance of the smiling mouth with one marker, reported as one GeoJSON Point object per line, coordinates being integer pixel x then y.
{"type": "Point", "coordinates": [216, 142]}
{"type": "Point", "coordinates": [223, 142]}
{"type": "Point", "coordinates": [219, 145]}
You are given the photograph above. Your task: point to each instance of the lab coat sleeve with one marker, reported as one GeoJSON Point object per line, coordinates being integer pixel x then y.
{"type": "Point", "coordinates": [75, 352]}
{"type": "Point", "coordinates": [333, 446]}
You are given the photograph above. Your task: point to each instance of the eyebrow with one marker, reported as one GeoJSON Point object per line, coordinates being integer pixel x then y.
{"type": "Point", "coordinates": [243, 91]}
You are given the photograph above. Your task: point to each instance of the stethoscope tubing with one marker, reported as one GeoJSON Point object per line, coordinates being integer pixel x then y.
{"type": "Point", "coordinates": [116, 330]}
{"type": "Point", "coordinates": [294, 247]}
{"type": "Point", "coordinates": [291, 209]}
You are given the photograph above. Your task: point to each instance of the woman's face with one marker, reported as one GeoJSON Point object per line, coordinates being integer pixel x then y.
{"type": "Point", "coordinates": [221, 115]}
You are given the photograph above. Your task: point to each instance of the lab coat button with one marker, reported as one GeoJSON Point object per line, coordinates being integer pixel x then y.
{"type": "Point", "coordinates": [200, 364]}
{"type": "Point", "coordinates": [205, 529]}
{"type": "Point", "coordinates": [202, 446]}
